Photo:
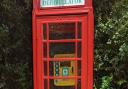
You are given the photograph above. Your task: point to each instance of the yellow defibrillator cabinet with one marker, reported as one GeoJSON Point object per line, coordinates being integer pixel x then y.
{"type": "Point", "coordinates": [64, 68]}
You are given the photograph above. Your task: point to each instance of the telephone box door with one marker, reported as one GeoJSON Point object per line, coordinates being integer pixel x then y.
{"type": "Point", "coordinates": [63, 48]}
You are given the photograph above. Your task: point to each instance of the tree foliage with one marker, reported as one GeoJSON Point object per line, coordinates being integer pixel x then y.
{"type": "Point", "coordinates": [15, 44]}
{"type": "Point", "coordinates": [111, 43]}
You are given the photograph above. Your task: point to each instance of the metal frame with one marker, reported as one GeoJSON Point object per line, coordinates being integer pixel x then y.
{"type": "Point", "coordinates": [83, 13]}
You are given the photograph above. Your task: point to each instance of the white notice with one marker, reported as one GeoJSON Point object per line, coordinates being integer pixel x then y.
{"type": "Point", "coordinates": [57, 3]}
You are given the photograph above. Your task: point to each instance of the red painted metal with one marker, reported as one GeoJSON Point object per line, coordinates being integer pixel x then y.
{"type": "Point", "coordinates": [84, 54]}
{"type": "Point", "coordinates": [34, 49]}
{"type": "Point", "coordinates": [75, 14]}
{"type": "Point", "coordinates": [90, 48]}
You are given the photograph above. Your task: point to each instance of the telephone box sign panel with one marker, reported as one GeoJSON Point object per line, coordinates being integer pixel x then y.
{"type": "Point", "coordinates": [57, 3]}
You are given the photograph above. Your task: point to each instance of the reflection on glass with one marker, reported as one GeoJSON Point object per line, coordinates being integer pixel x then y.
{"type": "Point", "coordinates": [61, 48]}
{"type": "Point", "coordinates": [62, 31]}
{"type": "Point", "coordinates": [79, 30]}
{"type": "Point", "coordinates": [44, 31]}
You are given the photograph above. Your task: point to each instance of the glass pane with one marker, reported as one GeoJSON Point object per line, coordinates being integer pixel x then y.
{"type": "Point", "coordinates": [62, 68]}
{"type": "Point", "coordinates": [79, 30]}
{"type": "Point", "coordinates": [79, 68]}
{"type": "Point", "coordinates": [62, 84]}
{"type": "Point", "coordinates": [61, 49]}
{"type": "Point", "coordinates": [45, 84]}
{"type": "Point", "coordinates": [44, 50]}
{"type": "Point", "coordinates": [44, 31]}
{"type": "Point", "coordinates": [45, 68]}
{"type": "Point", "coordinates": [51, 70]}
{"type": "Point", "coordinates": [79, 50]}
{"type": "Point", "coordinates": [79, 84]}
{"type": "Point", "coordinates": [62, 31]}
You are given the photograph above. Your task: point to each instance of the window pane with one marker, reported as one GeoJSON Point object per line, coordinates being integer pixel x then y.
{"type": "Point", "coordinates": [44, 31]}
{"type": "Point", "coordinates": [62, 31]}
{"type": "Point", "coordinates": [79, 30]}
{"type": "Point", "coordinates": [44, 50]}
{"type": "Point", "coordinates": [79, 84]}
{"type": "Point", "coordinates": [61, 48]}
{"type": "Point", "coordinates": [62, 84]}
{"type": "Point", "coordinates": [79, 50]}
{"type": "Point", "coordinates": [79, 68]}
{"type": "Point", "coordinates": [45, 68]}
{"type": "Point", "coordinates": [45, 84]}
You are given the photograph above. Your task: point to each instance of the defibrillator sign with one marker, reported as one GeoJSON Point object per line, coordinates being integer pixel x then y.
{"type": "Point", "coordinates": [65, 71]}
{"type": "Point", "coordinates": [55, 3]}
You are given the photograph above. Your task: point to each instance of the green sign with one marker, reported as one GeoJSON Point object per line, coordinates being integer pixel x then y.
{"type": "Point", "coordinates": [65, 71]}
{"type": "Point", "coordinates": [57, 3]}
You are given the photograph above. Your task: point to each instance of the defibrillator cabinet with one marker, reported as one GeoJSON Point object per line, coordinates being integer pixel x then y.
{"type": "Point", "coordinates": [63, 44]}
{"type": "Point", "coordinates": [64, 68]}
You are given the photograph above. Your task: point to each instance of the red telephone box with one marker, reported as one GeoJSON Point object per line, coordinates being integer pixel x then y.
{"type": "Point", "coordinates": [63, 44]}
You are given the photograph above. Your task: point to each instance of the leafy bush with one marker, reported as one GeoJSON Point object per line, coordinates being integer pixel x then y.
{"type": "Point", "coordinates": [111, 44]}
